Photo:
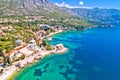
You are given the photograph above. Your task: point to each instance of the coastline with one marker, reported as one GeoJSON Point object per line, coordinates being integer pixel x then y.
{"type": "Point", "coordinates": [53, 34]}
{"type": "Point", "coordinates": [12, 70]}
{"type": "Point", "coordinates": [13, 73]}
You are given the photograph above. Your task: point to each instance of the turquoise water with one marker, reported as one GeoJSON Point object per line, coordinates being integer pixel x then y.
{"type": "Point", "coordinates": [93, 55]}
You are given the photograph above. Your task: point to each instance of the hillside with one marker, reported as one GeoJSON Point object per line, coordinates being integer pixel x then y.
{"type": "Point", "coordinates": [37, 10]}
{"type": "Point", "coordinates": [19, 19]}
{"type": "Point", "coordinates": [28, 7]}
{"type": "Point", "coordinates": [100, 15]}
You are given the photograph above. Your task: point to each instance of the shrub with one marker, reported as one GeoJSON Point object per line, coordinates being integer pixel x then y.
{"type": "Point", "coordinates": [49, 47]}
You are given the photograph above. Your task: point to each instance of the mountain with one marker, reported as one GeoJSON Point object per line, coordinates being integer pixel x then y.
{"type": "Point", "coordinates": [21, 19]}
{"type": "Point", "coordinates": [100, 15]}
{"type": "Point", "coordinates": [29, 7]}
{"type": "Point", "coordinates": [39, 11]}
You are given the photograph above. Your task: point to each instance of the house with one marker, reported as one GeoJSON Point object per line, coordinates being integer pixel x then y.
{"type": "Point", "coordinates": [40, 41]}
{"type": "Point", "coordinates": [15, 53]}
{"type": "Point", "coordinates": [32, 45]}
{"type": "Point", "coordinates": [19, 42]}
{"type": "Point", "coordinates": [1, 32]}
{"type": "Point", "coordinates": [59, 46]}
{"type": "Point", "coordinates": [23, 49]}
{"type": "Point", "coordinates": [40, 34]}
{"type": "Point", "coordinates": [46, 27]}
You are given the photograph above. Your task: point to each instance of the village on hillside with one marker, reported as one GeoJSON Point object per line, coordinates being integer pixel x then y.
{"type": "Point", "coordinates": [26, 51]}
{"type": "Point", "coordinates": [23, 39]}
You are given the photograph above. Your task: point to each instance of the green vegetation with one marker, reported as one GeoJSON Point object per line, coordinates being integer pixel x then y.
{"type": "Point", "coordinates": [44, 43]}
{"type": "Point", "coordinates": [25, 27]}
{"type": "Point", "coordinates": [19, 58]}
{"type": "Point", "coordinates": [49, 47]}
{"type": "Point", "coordinates": [6, 45]}
{"type": "Point", "coordinates": [1, 53]}
{"type": "Point", "coordinates": [22, 30]}
{"type": "Point", "coordinates": [48, 32]}
{"type": "Point", "coordinates": [24, 22]}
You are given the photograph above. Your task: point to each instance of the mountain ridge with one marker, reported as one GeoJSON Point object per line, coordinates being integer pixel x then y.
{"type": "Point", "coordinates": [29, 7]}
{"type": "Point", "coordinates": [97, 14]}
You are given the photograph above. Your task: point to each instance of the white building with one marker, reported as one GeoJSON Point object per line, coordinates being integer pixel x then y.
{"type": "Point", "coordinates": [32, 45]}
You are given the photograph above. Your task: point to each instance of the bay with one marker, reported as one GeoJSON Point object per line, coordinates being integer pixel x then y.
{"type": "Point", "coordinates": [93, 54]}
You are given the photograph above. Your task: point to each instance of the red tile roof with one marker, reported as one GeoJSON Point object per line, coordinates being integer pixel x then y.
{"type": "Point", "coordinates": [19, 47]}
{"type": "Point", "coordinates": [13, 50]}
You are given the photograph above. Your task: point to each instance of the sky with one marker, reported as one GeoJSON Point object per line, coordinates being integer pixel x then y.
{"type": "Point", "coordinates": [88, 3]}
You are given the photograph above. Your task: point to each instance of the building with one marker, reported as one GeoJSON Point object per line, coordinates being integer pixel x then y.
{"type": "Point", "coordinates": [26, 51]}
{"type": "Point", "coordinates": [39, 41]}
{"type": "Point", "coordinates": [1, 32]}
{"type": "Point", "coordinates": [19, 42]}
{"type": "Point", "coordinates": [15, 53]}
{"type": "Point", "coordinates": [59, 46]}
{"type": "Point", "coordinates": [40, 34]}
{"type": "Point", "coordinates": [46, 27]}
{"type": "Point", "coordinates": [32, 45]}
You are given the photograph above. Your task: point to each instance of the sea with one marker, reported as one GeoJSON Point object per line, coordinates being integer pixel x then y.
{"type": "Point", "coordinates": [93, 54]}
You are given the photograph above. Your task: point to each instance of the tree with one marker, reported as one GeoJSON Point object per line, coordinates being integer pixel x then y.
{"type": "Point", "coordinates": [44, 43]}
{"type": "Point", "coordinates": [1, 53]}
{"type": "Point", "coordinates": [49, 47]}
{"type": "Point", "coordinates": [48, 32]}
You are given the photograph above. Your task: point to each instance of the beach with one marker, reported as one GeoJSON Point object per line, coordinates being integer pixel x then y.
{"type": "Point", "coordinates": [52, 34]}
{"type": "Point", "coordinates": [9, 71]}
{"type": "Point", "coordinates": [31, 59]}
{"type": "Point", "coordinates": [89, 57]}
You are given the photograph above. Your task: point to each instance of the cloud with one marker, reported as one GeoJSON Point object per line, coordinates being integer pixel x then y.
{"type": "Point", "coordinates": [81, 2]}
{"type": "Point", "coordinates": [63, 4]}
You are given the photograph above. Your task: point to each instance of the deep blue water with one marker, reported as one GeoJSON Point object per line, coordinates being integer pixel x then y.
{"type": "Point", "coordinates": [93, 55]}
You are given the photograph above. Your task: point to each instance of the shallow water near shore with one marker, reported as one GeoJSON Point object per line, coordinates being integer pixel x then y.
{"type": "Point", "coordinates": [93, 55]}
